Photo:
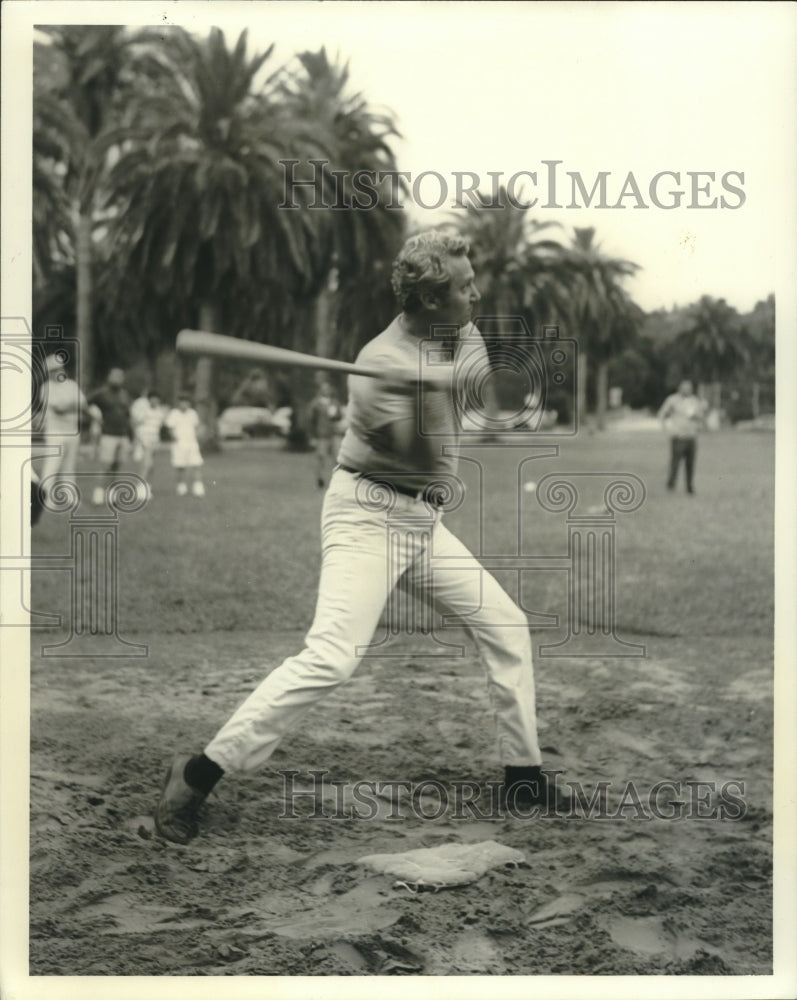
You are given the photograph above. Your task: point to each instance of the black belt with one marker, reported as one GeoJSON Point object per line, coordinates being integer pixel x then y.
{"type": "Point", "coordinates": [431, 494]}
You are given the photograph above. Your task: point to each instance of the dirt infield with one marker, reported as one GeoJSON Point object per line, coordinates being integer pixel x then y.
{"type": "Point", "coordinates": [257, 894]}
{"type": "Point", "coordinates": [651, 879]}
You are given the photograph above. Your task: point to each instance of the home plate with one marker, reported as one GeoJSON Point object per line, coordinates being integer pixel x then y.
{"type": "Point", "coordinates": [443, 866]}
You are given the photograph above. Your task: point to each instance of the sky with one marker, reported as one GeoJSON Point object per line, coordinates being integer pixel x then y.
{"type": "Point", "coordinates": [614, 88]}
{"type": "Point", "coordinates": [603, 88]}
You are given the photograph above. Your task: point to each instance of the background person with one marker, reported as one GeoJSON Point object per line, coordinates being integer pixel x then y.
{"type": "Point", "coordinates": [146, 419]}
{"type": "Point", "coordinates": [113, 403]}
{"type": "Point", "coordinates": [184, 426]}
{"type": "Point", "coordinates": [255, 390]}
{"type": "Point", "coordinates": [63, 404]}
{"type": "Point", "coordinates": [683, 415]}
{"type": "Point", "coordinates": [325, 418]}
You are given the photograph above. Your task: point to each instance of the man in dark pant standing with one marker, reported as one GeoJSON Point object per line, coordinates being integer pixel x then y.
{"type": "Point", "coordinates": [683, 414]}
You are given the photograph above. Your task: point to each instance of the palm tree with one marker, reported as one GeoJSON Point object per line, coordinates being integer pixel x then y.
{"type": "Point", "coordinates": [196, 191]}
{"type": "Point", "coordinates": [53, 238]}
{"type": "Point", "coordinates": [516, 271]}
{"type": "Point", "coordinates": [74, 108]}
{"type": "Point", "coordinates": [519, 274]}
{"type": "Point", "coordinates": [354, 137]}
{"type": "Point", "coordinates": [353, 246]}
{"type": "Point", "coordinates": [713, 344]}
{"type": "Point", "coordinates": [761, 333]}
{"type": "Point", "coordinates": [603, 315]}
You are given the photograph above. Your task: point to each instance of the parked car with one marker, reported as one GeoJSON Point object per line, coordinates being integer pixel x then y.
{"type": "Point", "coordinates": [253, 421]}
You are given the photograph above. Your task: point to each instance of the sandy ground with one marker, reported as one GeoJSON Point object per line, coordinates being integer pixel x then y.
{"type": "Point", "coordinates": [261, 894]}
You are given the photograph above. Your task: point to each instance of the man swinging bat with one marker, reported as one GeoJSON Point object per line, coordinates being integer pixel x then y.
{"type": "Point", "coordinates": [393, 444]}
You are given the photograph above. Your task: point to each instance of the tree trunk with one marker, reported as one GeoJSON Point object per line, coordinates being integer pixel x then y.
{"type": "Point", "coordinates": [601, 393]}
{"type": "Point", "coordinates": [303, 380]}
{"type": "Point", "coordinates": [178, 377]}
{"type": "Point", "coordinates": [755, 401]}
{"type": "Point", "coordinates": [83, 294]}
{"type": "Point", "coordinates": [581, 393]}
{"type": "Point", "coordinates": [326, 317]}
{"type": "Point", "coordinates": [166, 380]}
{"type": "Point", "coordinates": [204, 400]}
{"type": "Point", "coordinates": [504, 315]}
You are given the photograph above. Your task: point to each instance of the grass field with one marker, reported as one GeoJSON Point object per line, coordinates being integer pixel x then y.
{"type": "Point", "coordinates": [247, 556]}
{"type": "Point", "coordinates": [222, 589]}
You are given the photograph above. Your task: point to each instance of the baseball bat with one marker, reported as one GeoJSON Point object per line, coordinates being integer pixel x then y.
{"type": "Point", "coordinates": [220, 346]}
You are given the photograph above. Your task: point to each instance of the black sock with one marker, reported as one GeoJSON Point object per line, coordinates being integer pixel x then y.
{"type": "Point", "coordinates": [532, 786]}
{"type": "Point", "coordinates": [522, 775]}
{"type": "Point", "coordinates": [202, 773]}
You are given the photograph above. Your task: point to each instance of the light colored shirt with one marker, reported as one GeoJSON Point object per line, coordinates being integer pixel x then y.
{"type": "Point", "coordinates": [325, 415]}
{"type": "Point", "coordinates": [62, 401]}
{"type": "Point", "coordinates": [146, 420]}
{"type": "Point", "coordinates": [683, 416]}
{"type": "Point", "coordinates": [184, 425]}
{"type": "Point", "coordinates": [373, 406]}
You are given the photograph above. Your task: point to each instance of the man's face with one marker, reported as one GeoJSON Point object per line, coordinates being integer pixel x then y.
{"type": "Point", "coordinates": [116, 378]}
{"type": "Point", "coordinates": [463, 295]}
{"type": "Point", "coordinates": [685, 388]}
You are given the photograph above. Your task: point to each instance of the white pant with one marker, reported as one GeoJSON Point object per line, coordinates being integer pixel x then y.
{"type": "Point", "coordinates": [357, 575]}
{"type": "Point", "coordinates": [65, 462]}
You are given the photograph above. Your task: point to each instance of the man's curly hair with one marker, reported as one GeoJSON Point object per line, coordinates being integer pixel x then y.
{"type": "Point", "coordinates": [420, 266]}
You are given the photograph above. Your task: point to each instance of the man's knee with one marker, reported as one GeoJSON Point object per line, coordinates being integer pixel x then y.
{"type": "Point", "coordinates": [329, 663]}
{"type": "Point", "coordinates": [510, 629]}
{"type": "Point", "coordinates": [512, 617]}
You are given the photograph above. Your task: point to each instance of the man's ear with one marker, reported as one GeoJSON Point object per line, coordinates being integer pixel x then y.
{"type": "Point", "coordinates": [430, 300]}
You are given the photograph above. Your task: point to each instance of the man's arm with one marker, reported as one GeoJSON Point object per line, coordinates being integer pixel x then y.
{"type": "Point", "coordinates": [407, 440]}
{"type": "Point", "coordinates": [430, 399]}
{"type": "Point", "coordinates": [479, 368]}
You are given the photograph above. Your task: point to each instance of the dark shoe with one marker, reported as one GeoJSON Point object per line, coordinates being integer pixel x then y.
{"type": "Point", "coordinates": [529, 787]}
{"type": "Point", "coordinates": [179, 803]}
